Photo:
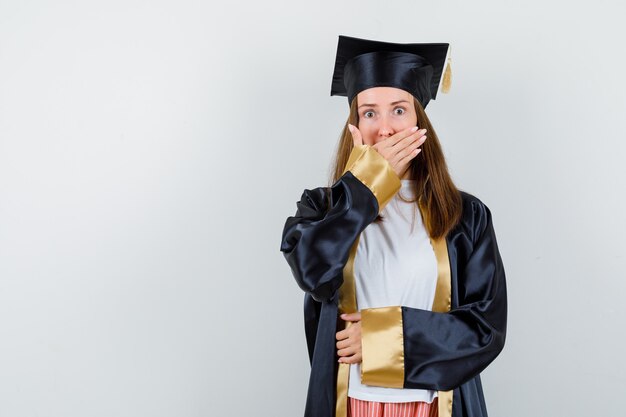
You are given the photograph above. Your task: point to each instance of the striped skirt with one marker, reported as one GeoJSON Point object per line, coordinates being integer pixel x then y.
{"type": "Point", "coordinates": [360, 408]}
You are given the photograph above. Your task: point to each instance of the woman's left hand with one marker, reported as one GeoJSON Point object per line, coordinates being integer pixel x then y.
{"type": "Point", "coordinates": [349, 340]}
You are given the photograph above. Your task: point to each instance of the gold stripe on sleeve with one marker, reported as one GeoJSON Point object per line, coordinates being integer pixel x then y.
{"type": "Point", "coordinates": [375, 172]}
{"type": "Point", "coordinates": [382, 347]}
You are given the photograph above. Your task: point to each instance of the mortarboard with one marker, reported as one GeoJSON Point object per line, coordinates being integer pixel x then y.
{"type": "Point", "coordinates": [414, 67]}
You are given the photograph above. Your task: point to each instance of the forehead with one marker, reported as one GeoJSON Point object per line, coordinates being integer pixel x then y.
{"type": "Point", "coordinates": [382, 95]}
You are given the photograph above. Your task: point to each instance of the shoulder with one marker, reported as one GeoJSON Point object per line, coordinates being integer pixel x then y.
{"type": "Point", "coordinates": [471, 202]}
{"type": "Point", "coordinates": [476, 215]}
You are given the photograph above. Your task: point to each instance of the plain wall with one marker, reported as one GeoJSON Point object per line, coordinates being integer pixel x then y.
{"type": "Point", "coordinates": [150, 152]}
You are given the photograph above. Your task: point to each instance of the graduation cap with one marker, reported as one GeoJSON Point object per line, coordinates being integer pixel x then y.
{"type": "Point", "coordinates": [414, 67]}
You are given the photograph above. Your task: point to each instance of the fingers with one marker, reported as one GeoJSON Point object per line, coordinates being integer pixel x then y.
{"type": "Point", "coordinates": [356, 358]}
{"type": "Point", "coordinates": [408, 133]}
{"type": "Point", "coordinates": [411, 155]}
{"type": "Point", "coordinates": [348, 351]}
{"type": "Point", "coordinates": [404, 154]}
{"type": "Point", "coordinates": [353, 339]}
{"type": "Point", "coordinates": [351, 316]}
{"type": "Point", "coordinates": [393, 145]}
{"type": "Point", "coordinates": [410, 139]}
{"type": "Point", "coordinates": [353, 328]}
{"type": "Point", "coordinates": [357, 138]}
{"type": "Point", "coordinates": [349, 341]}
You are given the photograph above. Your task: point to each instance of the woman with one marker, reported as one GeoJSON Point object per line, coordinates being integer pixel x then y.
{"type": "Point", "coordinates": [402, 311]}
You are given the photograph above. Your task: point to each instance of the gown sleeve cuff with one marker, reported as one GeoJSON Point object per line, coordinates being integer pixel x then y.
{"type": "Point", "coordinates": [382, 347]}
{"type": "Point", "coordinates": [375, 172]}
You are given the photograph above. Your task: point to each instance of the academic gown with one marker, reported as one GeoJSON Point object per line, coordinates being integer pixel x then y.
{"type": "Point", "coordinates": [402, 347]}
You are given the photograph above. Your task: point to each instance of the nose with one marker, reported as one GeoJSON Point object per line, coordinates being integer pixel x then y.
{"type": "Point", "coordinates": [385, 129]}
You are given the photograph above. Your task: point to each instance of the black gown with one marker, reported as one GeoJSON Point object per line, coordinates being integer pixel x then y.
{"type": "Point", "coordinates": [443, 351]}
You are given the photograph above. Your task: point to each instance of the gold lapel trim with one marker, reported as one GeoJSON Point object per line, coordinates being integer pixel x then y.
{"type": "Point", "coordinates": [442, 301]}
{"type": "Point", "coordinates": [441, 304]}
{"type": "Point", "coordinates": [347, 304]}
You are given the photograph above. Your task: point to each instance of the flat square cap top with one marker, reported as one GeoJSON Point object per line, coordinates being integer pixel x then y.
{"type": "Point", "coordinates": [361, 64]}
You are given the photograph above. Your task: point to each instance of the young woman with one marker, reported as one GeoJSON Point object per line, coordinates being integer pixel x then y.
{"type": "Point", "coordinates": [405, 294]}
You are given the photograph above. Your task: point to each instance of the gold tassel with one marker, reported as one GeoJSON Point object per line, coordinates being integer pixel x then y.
{"type": "Point", "coordinates": [447, 78]}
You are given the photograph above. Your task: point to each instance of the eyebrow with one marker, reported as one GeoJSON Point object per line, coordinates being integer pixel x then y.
{"type": "Point", "coordinates": [375, 105]}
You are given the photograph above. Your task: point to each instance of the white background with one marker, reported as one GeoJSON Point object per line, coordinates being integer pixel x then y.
{"type": "Point", "coordinates": [150, 152]}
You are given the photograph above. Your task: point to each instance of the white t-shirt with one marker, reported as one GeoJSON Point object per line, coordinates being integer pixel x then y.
{"type": "Point", "coordinates": [395, 265]}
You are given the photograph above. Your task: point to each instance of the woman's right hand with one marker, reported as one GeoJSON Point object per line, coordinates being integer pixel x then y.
{"type": "Point", "coordinates": [398, 149]}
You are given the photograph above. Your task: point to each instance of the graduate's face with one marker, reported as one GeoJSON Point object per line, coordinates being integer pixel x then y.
{"type": "Point", "coordinates": [384, 111]}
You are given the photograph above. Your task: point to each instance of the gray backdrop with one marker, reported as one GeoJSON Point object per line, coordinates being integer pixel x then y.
{"type": "Point", "coordinates": [150, 152]}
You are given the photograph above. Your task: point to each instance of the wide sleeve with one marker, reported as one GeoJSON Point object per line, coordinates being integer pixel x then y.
{"type": "Point", "coordinates": [316, 241]}
{"type": "Point", "coordinates": [415, 348]}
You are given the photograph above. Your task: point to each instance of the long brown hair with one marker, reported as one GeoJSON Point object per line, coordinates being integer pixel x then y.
{"type": "Point", "coordinates": [434, 188]}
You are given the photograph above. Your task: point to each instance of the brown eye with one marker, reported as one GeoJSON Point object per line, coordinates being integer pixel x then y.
{"type": "Point", "coordinates": [402, 111]}
{"type": "Point", "coordinates": [368, 112]}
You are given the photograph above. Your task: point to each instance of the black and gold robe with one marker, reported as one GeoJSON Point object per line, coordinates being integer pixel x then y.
{"type": "Point", "coordinates": [402, 347]}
